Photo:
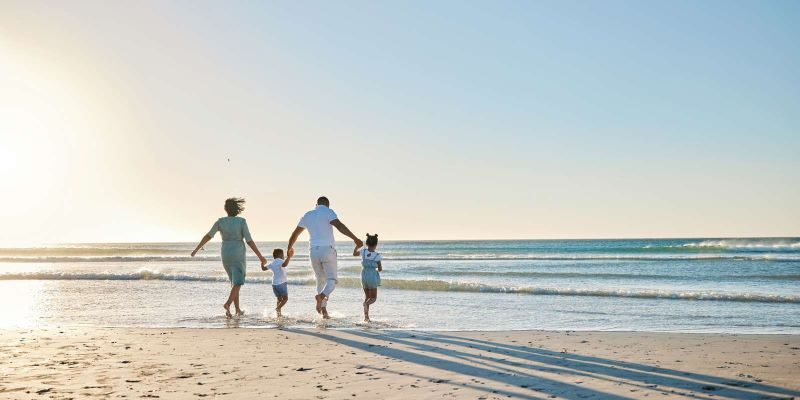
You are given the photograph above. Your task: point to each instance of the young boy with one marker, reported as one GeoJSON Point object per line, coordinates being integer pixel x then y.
{"type": "Point", "coordinates": [279, 286]}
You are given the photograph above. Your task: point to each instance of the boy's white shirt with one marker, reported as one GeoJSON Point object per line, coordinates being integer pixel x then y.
{"type": "Point", "coordinates": [374, 255]}
{"type": "Point", "coordinates": [278, 274]}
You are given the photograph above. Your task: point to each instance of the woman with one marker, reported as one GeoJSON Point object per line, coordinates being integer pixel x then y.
{"type": "Point", "coordinates": [234, 230]}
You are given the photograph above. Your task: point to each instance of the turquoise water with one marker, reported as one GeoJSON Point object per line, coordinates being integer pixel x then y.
{"type": "Point", "coordinates": [708, 285]}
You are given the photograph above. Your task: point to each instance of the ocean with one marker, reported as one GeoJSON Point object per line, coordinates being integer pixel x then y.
{"type": "Point", "coordinates": [675, 285]}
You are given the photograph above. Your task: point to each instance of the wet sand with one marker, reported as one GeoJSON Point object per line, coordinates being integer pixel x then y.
{"type": "Point", "coordinates": [138, 363]}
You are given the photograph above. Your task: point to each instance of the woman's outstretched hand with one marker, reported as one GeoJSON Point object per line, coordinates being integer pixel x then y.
{"type": "Point", "coordinates": [194, 252]}
{"type": "Point", "coordinates": [263, 261]}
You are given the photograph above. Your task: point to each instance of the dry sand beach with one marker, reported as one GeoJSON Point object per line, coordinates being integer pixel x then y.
{"type": "Point", "coordinates": [318, 363]}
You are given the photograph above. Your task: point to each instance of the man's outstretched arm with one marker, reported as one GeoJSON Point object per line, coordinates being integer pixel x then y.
{"type": "Point", "coordinates": [345, 231]}
{"type": "Point", "coordinates": [293, 238]}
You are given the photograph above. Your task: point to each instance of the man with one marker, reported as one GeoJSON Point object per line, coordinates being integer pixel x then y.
{"type": "Point", "coordinates": [320, 222]}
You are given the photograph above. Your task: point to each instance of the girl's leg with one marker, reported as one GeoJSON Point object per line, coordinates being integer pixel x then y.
{"type": "Point", "coordinates": [372, 297]}
{"type": "Point", "coordinates": [366, 305]}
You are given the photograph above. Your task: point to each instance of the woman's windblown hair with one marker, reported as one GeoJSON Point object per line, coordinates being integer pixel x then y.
{"type": "Point", "coordinates": [372, 240]}
{"type": "Point", "coordinates": [234, 206]}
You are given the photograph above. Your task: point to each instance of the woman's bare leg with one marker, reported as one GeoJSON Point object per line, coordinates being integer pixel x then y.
{"type": "Point", "coordinates": [227, 305]}
{"type": "Point", "coordinates": [235, 295]}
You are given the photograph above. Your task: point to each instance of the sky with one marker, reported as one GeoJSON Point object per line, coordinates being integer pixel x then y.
{"type": "Point", "coordinates": [419, 120]}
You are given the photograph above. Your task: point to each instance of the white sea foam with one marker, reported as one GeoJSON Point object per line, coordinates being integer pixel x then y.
{"type": "Point", "coordinates": [419, 285]}
{"type": "Point", "coordinates": [747, 244]}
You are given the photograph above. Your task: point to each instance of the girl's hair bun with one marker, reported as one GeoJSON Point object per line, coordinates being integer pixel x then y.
{"type": "Point", "coordinates": [372, 240]}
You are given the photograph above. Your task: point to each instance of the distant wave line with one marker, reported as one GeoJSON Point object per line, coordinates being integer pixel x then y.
{"type": "Point", "coordinates": [610, 257]}
{"type": "Point", "coordinates": [539, 274]}
{"type": "Point", "coordinates": [759, 245]}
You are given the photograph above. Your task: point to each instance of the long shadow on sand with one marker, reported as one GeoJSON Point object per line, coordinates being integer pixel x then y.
{"type": "Point", "coordinates": [512, 370]}
{"type": "Point", "coordinates": [666, 378]}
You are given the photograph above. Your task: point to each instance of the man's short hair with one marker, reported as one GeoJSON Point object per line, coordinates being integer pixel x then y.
{"type": "Point", "coordinates": [323, 201]}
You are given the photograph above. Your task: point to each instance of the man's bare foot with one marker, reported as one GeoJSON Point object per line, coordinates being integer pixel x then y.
{"type": "Point", "coordinates": [325, 313]}
{"type": "Point", "coordinates": [239, 313]}
{"type": "Point", "coordinates": [366, 318]}
{"type": "Point", "coordinates": [278, 312]}
{"type": "Point", "coordinates": [319, 298]}
{"type": "Point", "coordinates": [227, 308]}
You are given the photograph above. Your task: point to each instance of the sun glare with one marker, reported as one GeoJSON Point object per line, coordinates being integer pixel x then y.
{"type": "Point", "coordinates": [34, 125]}
{"type": "Point", "coordinates": [20, 300]}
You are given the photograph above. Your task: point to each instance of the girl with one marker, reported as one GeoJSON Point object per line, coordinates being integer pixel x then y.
{"type": "Point", "coordinates": [370, 268]}
{"type": "Point", "coordinates": [234, 233]}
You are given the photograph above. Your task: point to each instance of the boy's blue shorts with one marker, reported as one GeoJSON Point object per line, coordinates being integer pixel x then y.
{"type": "Point", "coordinates": [281, 290]}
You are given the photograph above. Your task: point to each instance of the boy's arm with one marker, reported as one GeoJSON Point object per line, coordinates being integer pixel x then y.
{"type": "Point", "coordinates": [289, 254]}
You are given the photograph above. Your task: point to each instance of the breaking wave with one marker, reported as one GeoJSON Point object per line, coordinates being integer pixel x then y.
{"type": "Point", "coordinates": [749, 245]}
{"type": "Point", "coordinates": [420, 285]}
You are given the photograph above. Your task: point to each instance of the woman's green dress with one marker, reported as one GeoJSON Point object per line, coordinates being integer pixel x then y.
{"type": "Point", "coordinates": [234, 233]}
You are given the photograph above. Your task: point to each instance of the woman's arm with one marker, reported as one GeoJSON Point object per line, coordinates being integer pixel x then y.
{"type": "Point", "coordinates": [261, 258]}
{"type": "Point", "coordinates": [202, 243]}
{"type": "Point", "coordinates": [249, 239]}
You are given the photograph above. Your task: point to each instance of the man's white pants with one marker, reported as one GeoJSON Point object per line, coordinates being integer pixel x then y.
{"type": "Point", "coordinates": [323, 261]}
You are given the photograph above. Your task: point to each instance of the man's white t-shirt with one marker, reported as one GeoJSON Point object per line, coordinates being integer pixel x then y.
{"type": "Point", "coordinates": [278, 274]}
{"type": "Point", "coordinates": [318, 223]}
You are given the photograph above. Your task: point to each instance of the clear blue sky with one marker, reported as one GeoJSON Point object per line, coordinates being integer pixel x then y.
{"type": "Point", "coordinates": [419, 119]}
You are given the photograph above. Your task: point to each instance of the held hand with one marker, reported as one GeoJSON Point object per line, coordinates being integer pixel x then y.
{"type": "Point", "coordinates": [263, 261]}
{"type": "Point", "coordinates": [194, 252]}
{"type": "Point", "coordinates": [359, 243]}
{"type": "Point", "coordinates": [290, 252]}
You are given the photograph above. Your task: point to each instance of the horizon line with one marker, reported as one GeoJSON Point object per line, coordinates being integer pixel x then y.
{"type": "Point", "coordinates": [465, 240]}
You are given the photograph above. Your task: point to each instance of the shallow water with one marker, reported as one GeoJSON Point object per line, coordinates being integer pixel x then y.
{"type": "Point", "coordinates": [691, 285]}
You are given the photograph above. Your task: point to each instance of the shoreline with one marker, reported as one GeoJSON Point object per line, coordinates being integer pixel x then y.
{"type": "Point", "coordinates": [95, 362]}
{"type": "Point", "coordinates": [387, 329]}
